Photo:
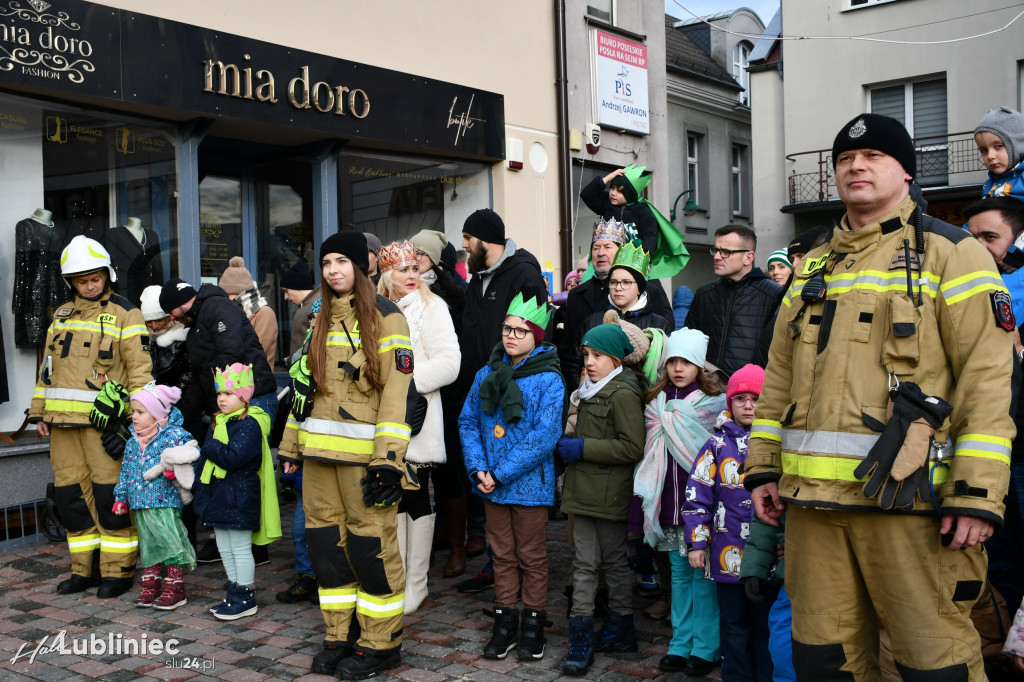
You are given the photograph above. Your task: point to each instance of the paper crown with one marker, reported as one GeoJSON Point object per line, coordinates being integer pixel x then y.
{"type": "Point", "coordinates": [635, 175]}
{"type": "Point", "coordinates": [229, 378]}
{"type": "Point", "coordinates": [633, 256]}
{"type": "Point", "coordinates": [531, 310]}
{"type": "Point", "coordinates": [613, 230]}
{"type": "Point", "coordinates": [396, 255]}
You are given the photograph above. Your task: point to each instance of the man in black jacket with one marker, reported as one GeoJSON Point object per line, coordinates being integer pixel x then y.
{"type": "Point", "coordinates": [733, 310]}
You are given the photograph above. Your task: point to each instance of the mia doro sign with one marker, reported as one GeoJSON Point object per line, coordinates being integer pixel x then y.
{"type": "Point", "coordinates": [91, 49]}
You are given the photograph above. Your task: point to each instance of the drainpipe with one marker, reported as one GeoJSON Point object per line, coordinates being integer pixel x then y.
{"type": "Point", "coordinates": [564, 165]}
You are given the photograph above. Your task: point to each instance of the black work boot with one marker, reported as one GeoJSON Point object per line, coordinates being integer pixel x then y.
{"type": "Point", "coordinates": [581, 646]}
{"type": "Point", "coordinates": [531, 634]}
{"type": "Point", "coordinates": [326, 661]}
{"type": "Point", "coordinates": [114, 587]}
{"type": "Point", "coordinates": [365, 663]}
{"type": "Point", "coordinates": [80, 583]}
{"type": "Point", "coordinates": [303, 589]}
{"type": "Point", "coordinates": [505, 635]}
{"type": "Point", "coordinates": [617, 634]}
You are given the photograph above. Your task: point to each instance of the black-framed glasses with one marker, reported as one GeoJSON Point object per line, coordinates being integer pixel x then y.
{"type": "Point", "coordinates": [725, 253]}
{"type": "Point", "coordinates": [517, 332]}
{"type": "Point", "coordinates": [620, 284]}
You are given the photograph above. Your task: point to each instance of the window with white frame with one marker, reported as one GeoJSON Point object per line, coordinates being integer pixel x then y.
{"type": "Point", "coordinates": [740, 61]}
{"type": "Point", "coordinates": [738, 152]}
{"type": "Point", "coordinates": [603, 10]}
{"type": "Point", "coordinates": [921, 107]}
{"type": "Point", "coordinates": [854, 4]}
{"type": "Point", "coordinates": [693, 166]}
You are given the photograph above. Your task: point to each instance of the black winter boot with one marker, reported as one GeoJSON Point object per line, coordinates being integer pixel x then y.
{"type": "Point", "coordinates": [531, 634]}
{"type": "Point", "coordinates": [80, 583]}
{"type": "Point", "coordinates": [581, 646]}
{"type": "Point", "coordinates": [326, 661]}
{"type": "Point", "coordinates": [617, 634]}
{"type": "Point", "coordinates": [366, 663]}
{"type": "Point", "coordinates": [505, 635]}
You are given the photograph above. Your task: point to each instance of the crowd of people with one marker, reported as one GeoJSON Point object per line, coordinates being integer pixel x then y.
{"type": "Point", "coordinates": [805, 466]}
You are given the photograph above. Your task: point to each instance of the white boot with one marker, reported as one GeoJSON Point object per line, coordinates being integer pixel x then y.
{"type": "Point", "coordinates": [403, 525]}
{"type": "Point", "coordinates": [419, 538]}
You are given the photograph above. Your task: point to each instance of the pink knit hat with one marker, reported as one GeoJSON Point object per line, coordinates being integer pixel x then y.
{"type": "Point", "coordinates": [157, 399]}
{"type": "Point", "coordinates": [747, 379]}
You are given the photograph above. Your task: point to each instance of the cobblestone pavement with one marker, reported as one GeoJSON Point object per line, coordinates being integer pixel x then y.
{"type": "Point", "coordinates": [443, 640]}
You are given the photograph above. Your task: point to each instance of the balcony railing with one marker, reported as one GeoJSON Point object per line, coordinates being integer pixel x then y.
{"type": "Point", "coordinates": [941, 161]}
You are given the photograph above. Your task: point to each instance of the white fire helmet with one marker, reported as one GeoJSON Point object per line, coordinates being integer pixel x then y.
{"type": "Point", "coordinates": [84, 255]}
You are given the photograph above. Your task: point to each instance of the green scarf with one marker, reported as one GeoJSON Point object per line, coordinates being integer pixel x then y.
{"type": "Point", "coordinates": [499, 387]}
{"type": "Point", "coordinates": [270, 511]}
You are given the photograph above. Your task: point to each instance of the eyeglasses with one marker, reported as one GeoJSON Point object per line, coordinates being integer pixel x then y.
{"type": "Point", "coordinates": [620, 284]}
{"type": "Point", "coordinates": [420, 254]}
{"type": "Point", "coordinates": [517, 332]}
{"type": "Point", "coordinates": [725, 253]}
{"type": "Point", "coordinates": [744, 399]}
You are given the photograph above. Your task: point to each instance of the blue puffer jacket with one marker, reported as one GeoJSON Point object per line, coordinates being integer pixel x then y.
{"type": "Point", "coordinates": [1009, 184]}
{"type": "Point", "coordinates": [521, 458]}
{"type": "Point", "coordinates": [232, 501]}
{"type": "Point", "coordinates": [158, 493]}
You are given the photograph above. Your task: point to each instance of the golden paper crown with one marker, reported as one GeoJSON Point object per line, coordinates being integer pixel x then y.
{"type": "Point", "coordinates": [235, 376]}
{"type": "Point", "coordinates": [633, 256]}
{"type": "Point", "coordinates": [396, 255]}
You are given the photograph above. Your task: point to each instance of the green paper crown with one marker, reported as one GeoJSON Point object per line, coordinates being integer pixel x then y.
{"type": "Point", "coordinates": [228, 379]}
{"type": "Point", "coordinates": [633, 256]}
{"type": "Point", "coordinates": [531, 310]}
{"type": "Point", "coordinates": [636, 178]}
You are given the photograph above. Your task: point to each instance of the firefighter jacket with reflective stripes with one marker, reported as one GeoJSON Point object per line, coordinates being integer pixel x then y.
{"type": "Point", "coordinates": [832, 363]}
{"type": "Point", "coordinates": [355, 423]}
{"type": "Point", "coordinates": [87, 343]}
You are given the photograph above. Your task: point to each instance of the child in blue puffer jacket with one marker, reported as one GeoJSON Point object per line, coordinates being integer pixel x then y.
{"type": "Point", "coordinates": [157, 437]}
{"type": "Point", "coordinates": [509, 425]}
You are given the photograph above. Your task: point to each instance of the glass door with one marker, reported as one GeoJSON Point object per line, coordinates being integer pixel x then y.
{"type": "Point", "coordinates": [220, 223]}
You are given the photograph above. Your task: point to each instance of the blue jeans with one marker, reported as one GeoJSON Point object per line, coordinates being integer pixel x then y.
{"type": "Point", "coordinates": [694, 611]}
{"type": "Point", "coordinates": [302, 562]}
{"type": "Point", "coordinates": [268, 403]}
{"type": "Point", "coordinates": [780, 642]}
{"type": "Point", "coordinates": [744, 633]}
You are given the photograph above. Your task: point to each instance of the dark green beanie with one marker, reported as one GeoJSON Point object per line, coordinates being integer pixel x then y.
{"type": "Point", "coordinates": [608, 339]}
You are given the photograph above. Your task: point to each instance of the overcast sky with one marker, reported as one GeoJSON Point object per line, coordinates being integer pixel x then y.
{"type": "Point", "coordinates": [765, 8]}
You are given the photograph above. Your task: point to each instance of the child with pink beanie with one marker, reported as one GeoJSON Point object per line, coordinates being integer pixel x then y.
{"type": "Point", "coordinates": [156, 504]}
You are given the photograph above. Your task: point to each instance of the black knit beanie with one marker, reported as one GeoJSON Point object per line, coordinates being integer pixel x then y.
{"type": "Point", "coordinates": [874, 131]}
{"type": "Point", "coordinates": [485, 225]}
{"type": "Point", "coordinates": [352, 245]}
{"type": "Point", "coordinates": [298, 277]}
{"type": "Point", "coordinates": [175, 292]}
{"type": "Point", "coordinates": [626, 187]}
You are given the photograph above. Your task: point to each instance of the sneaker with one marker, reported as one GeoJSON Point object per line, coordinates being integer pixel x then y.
{"type": "Point", "coordinates": [648, 582]}
{"type": "Point", "coordinates": [366, 663]}
{"type": "Point", "coordinates": [303, 589]}
{"type": "Point", "coordinates": [261, 554]}
{"type": "Point", "coordinates": [208, 553]}
{"type": "Point", "coordinates": [478, 583]}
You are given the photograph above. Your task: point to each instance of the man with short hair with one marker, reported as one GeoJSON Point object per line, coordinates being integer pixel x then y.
{"type": "Point", "coordinates": [734, 309]}
{"type": "Point", "coordinates": [373, 247]}
{"type": "Point", "coordinates": [883, 426]}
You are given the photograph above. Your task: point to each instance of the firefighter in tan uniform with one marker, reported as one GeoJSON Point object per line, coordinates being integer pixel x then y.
{"type": "Point", "coordinates": [349, 429]}
{"type": "Point", "coordinates": [884, 426]}
{"type": "Point", "coordinates": [96, 338]}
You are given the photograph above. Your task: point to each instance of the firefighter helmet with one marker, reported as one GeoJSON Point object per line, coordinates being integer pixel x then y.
{"type": "Point", "coordinates": [84, 255]}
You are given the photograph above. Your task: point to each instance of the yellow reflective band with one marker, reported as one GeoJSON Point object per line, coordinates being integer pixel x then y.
{"type": "Point", "coordinates": [83, 543]}
{"type": "Point", "coordinates": [341, 339]}
{"type": "Point", "coordinates": [134, 330]}
{"type": "Point", "coordinates": [400, 431]}
{"type": "Point", "coordinates": [393, 342]}
{"type": "Point", "coordinates": [837, 468]}
{"type": "Point", "coordinates": [768, 429]}
{"type": "Point", "coordinates": [983, 447]}
{"type": "Point", "coordinates": [876, 280]}
{"type": "Point", "coordinates": [83, 325]}
{"type": "Point", "coordinates": [335, 599]}
{"type": "Point", "coordinates": [377, 607]}
{"type": "Point", "coordinates": [962, 288]}
{"type": "Point", "coordinates": [319, 441]}
{"type": "Point", "coordinates": [119, 545]}
{"type": "Point", "coordinates": [67, 406]}
{"type": "Point", "coordinates": [39, 393]}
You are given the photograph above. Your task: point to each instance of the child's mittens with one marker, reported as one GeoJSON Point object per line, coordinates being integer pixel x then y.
{"type": "Point", "coordinates": [752, 588]}
{"type": "Point", "coordinates": [569, 449]}
{"type": "Point", "coordinates": [169, 475]}
{"type": "Point", "coordinates": [120, 508]}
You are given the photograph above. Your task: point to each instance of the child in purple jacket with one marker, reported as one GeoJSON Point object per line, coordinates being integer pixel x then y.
{"type": "Point", "coordinates": [717, 516]}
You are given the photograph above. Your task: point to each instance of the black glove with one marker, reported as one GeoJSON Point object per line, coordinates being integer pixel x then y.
{"type": "Point", "coordinates": [910, 405]}
{"type": "Point", "coordinates": [115, 439]}
{"type": "Point", "coordinates": [752, 588]}
{"type": "Point", "coordinates": [382, 487]}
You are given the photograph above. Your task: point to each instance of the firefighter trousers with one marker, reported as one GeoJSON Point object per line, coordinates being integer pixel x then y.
{"type": "Point", "coordinates": [84, 479]}
{"type": "Point", "coordinates": [354, 552]}
{"type": "Point", "coordinates": [847, 572]}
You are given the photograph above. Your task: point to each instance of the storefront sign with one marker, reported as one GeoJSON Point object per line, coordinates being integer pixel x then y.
{"type": "Point", "coordinates": [622, 83]}
{"type": "Point", "coordinates": [81, 47]}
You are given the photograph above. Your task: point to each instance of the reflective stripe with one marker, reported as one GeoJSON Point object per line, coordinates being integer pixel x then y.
{"type": "Point", "coordinates": [377, 607]}
{"type": "Point", "coordinates": [317, 441]}
{"type": "Point", "coordinates": [127, 545]}
{"type": "Point", "coordinates": [83, 543]}
{"type": "Point", "coordinates": [876, 280]}
{"type": "Point", "coordinates": [334, 599]}
{"type": "Point", "coordinates": [84, 325]}
{"type": "Point", "coordinates": [984, 447]}
{"type": "Point", "coordinates": [71, 394]}
{"type": "Point", "coordinates": [67, 406]}
{"type": "Point", "coordinates": [837, 468]}
{"type": "Point", "coordinates": [962, 288]}
{"type": "Point", "coordinates": [828, 442]}
{"type": "Point", "coordinates": [767, 429]}
{"type": "Point", "coordinates": [38, 393]}
{"type": "Point", "coordinates": [341, 339]}
{"type": "Point", "coordinates": [401, 431]}
{"type": "Point", "coordinates": [330, 427]}
{"type": "Point", "coordinates": [395, 341]}
{"type": "Point", "coordinates": [134, 330]}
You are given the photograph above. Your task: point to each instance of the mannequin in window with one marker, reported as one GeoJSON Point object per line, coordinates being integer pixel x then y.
{"type": "Point", "coordinates": [38, 286]}
{"type": "Point", "coordinates": [135, 255]}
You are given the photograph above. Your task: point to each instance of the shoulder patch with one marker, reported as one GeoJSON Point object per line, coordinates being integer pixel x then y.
{"type": "Point", "coordinates": [403, 360]}
{"type": "Point", "coordinates": [944, 229]}
{"type": "Point", "coordinates": [65, 311]}
{"type": "Point", "coordinates": [122, 301]}
{"type": "Point", "coordinates": [1003, 310]}
{"type": "Point", "coordinates": [386, 307]}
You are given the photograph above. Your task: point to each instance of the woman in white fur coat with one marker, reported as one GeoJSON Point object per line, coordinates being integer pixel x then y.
{"type": "Point", "coordinates": [436, 359]}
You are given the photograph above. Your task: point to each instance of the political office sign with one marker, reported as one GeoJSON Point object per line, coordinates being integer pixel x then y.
{"type": "Point", "coordinates": [621, 83]}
